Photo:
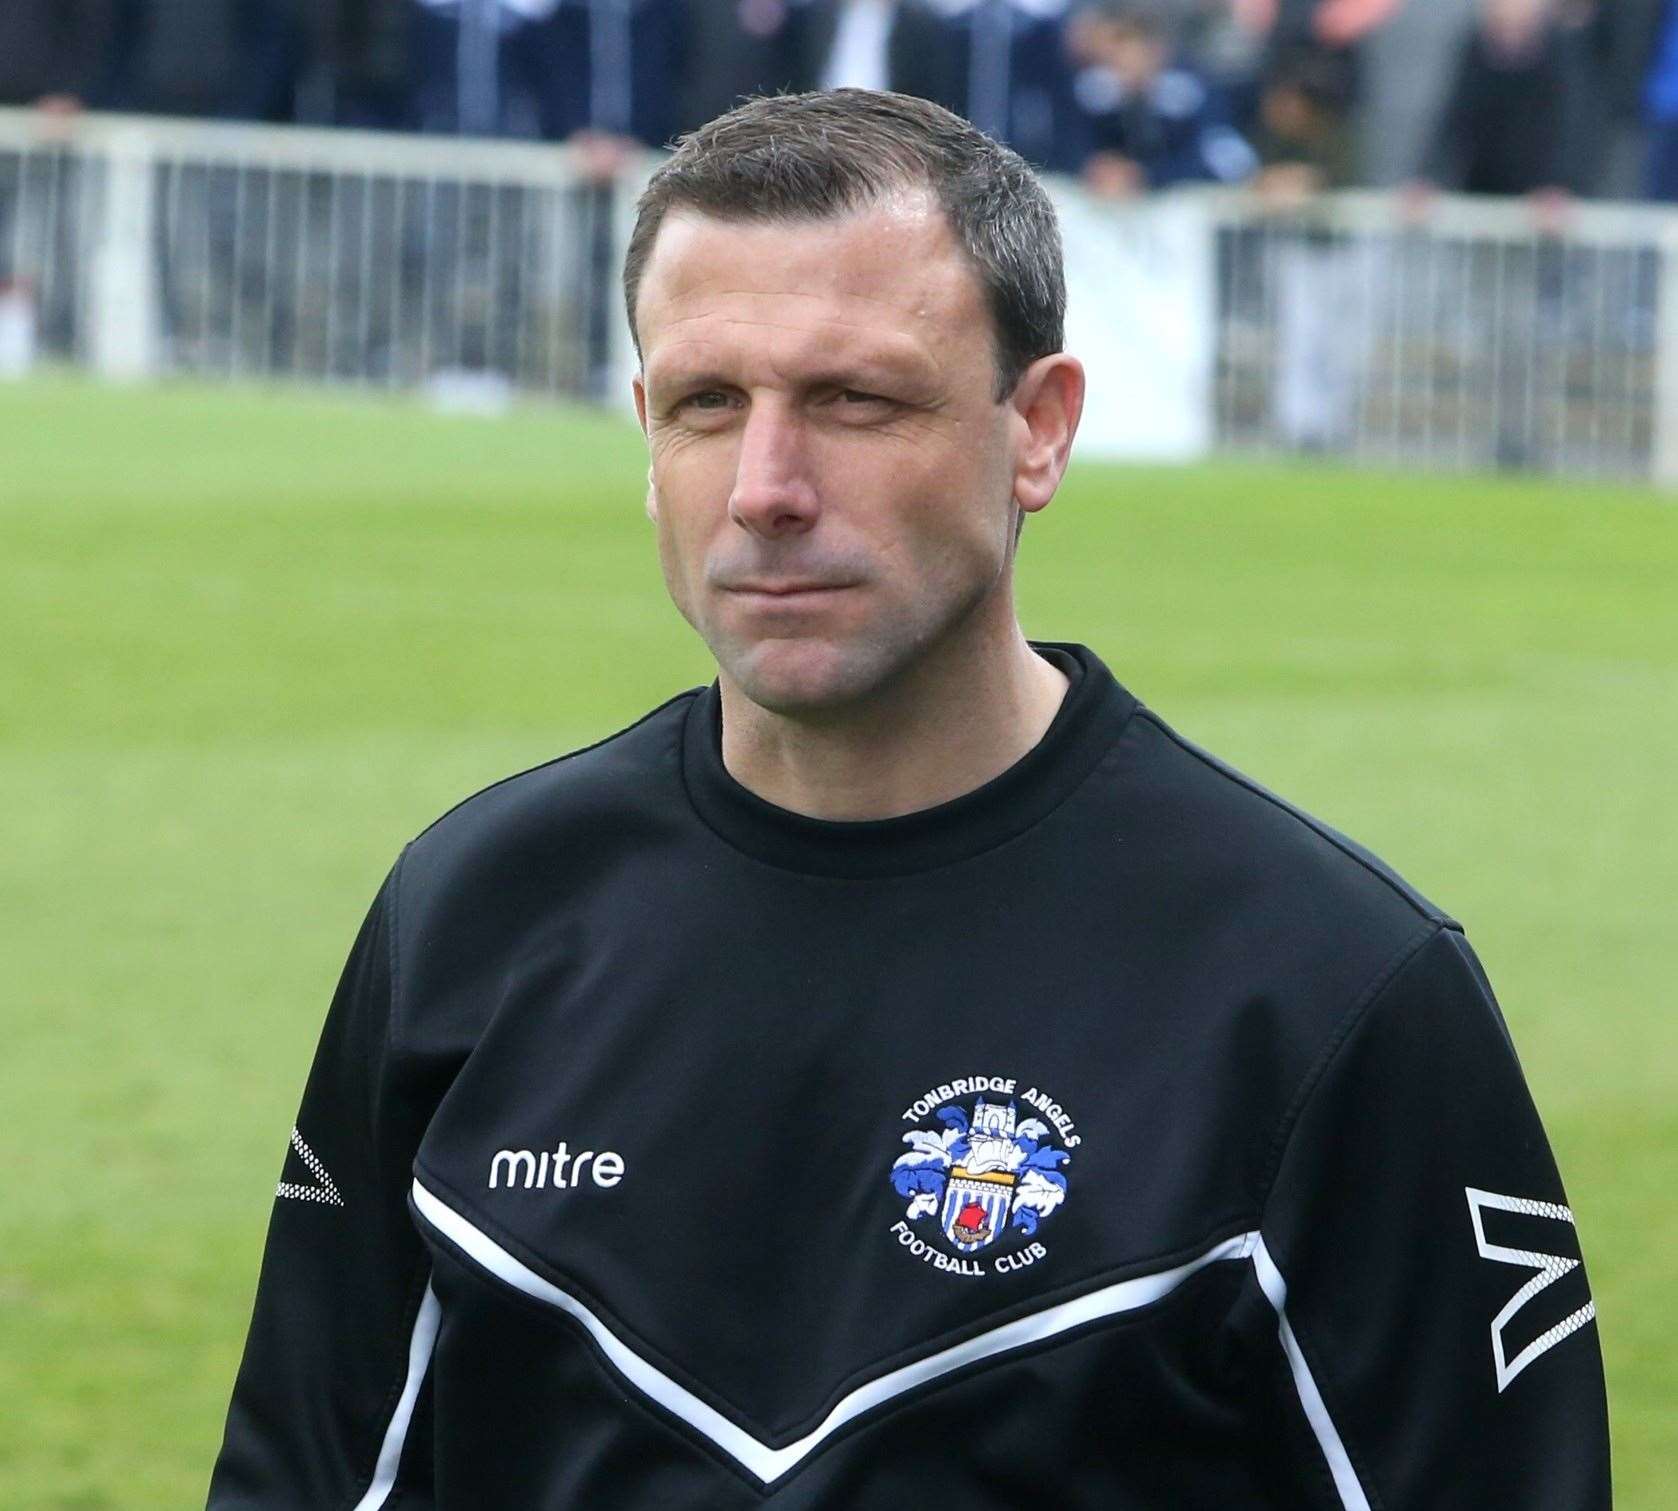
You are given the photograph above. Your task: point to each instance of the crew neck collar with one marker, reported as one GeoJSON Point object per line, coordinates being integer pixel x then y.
{"type": "Point", "coordinates": [1089, 720]}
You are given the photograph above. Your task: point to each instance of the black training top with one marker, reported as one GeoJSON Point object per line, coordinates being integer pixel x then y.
{"type": "Point", "coordinates": [1114, 1136]}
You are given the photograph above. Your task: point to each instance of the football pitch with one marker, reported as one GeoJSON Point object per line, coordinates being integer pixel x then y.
{"type": "Point", "coordinates": [250, 643]}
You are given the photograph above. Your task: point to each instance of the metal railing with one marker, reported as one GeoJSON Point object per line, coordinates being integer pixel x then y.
{"type": "Point", "coordinates": [147, 247]}
{"type": "Point", "coordinates": [1470, 336]}
{"type": "Point", "coordinates": [1466, 339]}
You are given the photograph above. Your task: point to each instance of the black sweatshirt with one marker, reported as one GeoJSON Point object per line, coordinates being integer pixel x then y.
{"type": "Point", "coordinates": [1507, 120]}
{"type": "Point", "coordinates": [1114, 1136]}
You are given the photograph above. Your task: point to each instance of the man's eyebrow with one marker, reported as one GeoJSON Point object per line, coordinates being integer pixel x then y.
{"type": "Point", "coordinates": [865, 371]}
{"type": "Point", "coordinates": [673, 375]}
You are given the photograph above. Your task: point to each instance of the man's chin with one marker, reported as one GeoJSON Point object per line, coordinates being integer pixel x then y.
{"type": "Point", "coordinates": [805, 678]}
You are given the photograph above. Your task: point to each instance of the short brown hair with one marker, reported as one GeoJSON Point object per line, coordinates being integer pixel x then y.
{"type": "Point", "coordinates": [828, 153]}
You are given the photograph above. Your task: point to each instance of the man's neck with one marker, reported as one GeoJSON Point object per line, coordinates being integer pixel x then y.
{"type": "Point", "coordinates": [929, 740]}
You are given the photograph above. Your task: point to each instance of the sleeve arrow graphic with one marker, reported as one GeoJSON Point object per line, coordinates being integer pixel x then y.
{"type": "Point", "coordinates": [321, 1189]}
{"type": "Point", "coordinates": [1549, 1269]}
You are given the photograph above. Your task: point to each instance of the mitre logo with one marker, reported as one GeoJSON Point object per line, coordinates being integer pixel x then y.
{"type": "Point", "coordinates": [558, 1170]}
{"type": "Point", "coordinates": [991, 1171]}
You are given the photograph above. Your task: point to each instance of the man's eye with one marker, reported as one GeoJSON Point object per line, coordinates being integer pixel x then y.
{"type": "Point", "coordinates": [709, 398]}
{"type": "Point", "coordinates": [857, 396]}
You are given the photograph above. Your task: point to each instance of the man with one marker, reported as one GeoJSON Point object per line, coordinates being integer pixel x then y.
{"type": "Point", "coordinates": [732, 49]}
{"type": "Point", "coordinates": [598, 74]}
{"type": "Point", "coordinates": [1149, 123]}
{"type": "Point", "coordinates": [234, 59]}
{"type": "Point", "coordinates": [1503, 128]}
{"type": "Point", "coordinates": [905, 1072]}
{"type": "Point", "coordinates": [1000, 63]}
{"type": "Point", "coordinates": [55, 54]}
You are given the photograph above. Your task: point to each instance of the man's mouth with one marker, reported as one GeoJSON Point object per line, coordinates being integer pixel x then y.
{"type": "Point", "coordinates": [786, 590]}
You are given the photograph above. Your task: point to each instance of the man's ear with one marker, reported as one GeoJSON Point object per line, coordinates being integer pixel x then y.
{"type": "Point", "coordinates": [1048, 402]}
{"type": "Point", "coordinates": [639, 389]}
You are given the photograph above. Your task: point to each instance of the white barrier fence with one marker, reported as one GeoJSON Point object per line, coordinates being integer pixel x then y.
{"type": "Point", "coordinates": [1467, 338]}
{"type": "Point", "coordinates": [140, 247]}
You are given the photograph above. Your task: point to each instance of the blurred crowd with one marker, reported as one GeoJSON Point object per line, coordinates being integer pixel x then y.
{"type": "Point", "coordinates": [1549, 98]}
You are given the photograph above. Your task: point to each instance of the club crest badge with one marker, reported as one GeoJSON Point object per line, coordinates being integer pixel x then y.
{"type": "Point", "coordinates": [992, 1169]}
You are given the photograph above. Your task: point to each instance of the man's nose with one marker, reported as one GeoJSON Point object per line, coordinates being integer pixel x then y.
{"type": "Point", "coordinates": [774, 493]}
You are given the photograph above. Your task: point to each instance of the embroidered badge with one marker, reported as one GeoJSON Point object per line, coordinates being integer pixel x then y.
{"type": "Point", "coordinates": [991, 1172]}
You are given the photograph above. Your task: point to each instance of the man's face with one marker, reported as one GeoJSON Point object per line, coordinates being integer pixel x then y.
{"type": "Point", "coordinates": [832, 476]}
{"type": "Point", "coordinates": [1133, 54]}
{"type": "Point", "coordinates": [1514, 24]}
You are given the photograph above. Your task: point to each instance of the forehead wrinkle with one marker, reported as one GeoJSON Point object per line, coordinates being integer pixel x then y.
{"type": "Point", "coordinates": [910, 285]}
{"type": "Point", "coordinates": [934, 273]}
{"type": "Point", "coordinates": [893, 350]}
{"type": "Point", "coordinates": [915, 309]}
{"type": "Point", "coordinates": [916, 304]}
{"type": "Point", "coordinates": [773, 325]}
{"type": "Point", "coordinates": [931, 290]}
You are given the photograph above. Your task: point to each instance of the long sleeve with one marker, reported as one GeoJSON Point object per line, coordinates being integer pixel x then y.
{"type": "Point", "coordinates": [1424, 1265]}
{"type": "Point", "coordinates": [330, 1407]}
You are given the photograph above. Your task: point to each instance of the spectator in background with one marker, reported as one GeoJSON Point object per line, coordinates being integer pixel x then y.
{"type": "Point", "coordinates": [731, 49]}
{"type": "Point", "coordinates": [1304, 136]}
{"type": "Point", "coordinates": [229, 58]}
{"type": "Point", "coordinates": [355, 68]}
{"type": "Point", "coordinates": [1000, 63]}
{"type": "Point", "coordinates": [1339, 33]}
{"type": "Point", "coordinates": [1660, 99]}
{"type": "Point", "coordinates": [1511, 127]}
{"type": "Point", "coordinates": [55, 54]}
{"type": "Point", "coordinates": [476, 67]}
{"type": "Point", "coordinates": [1617, 41]}
{"type": "Point", "coordinates": [1149, 123]}
{"type": "Point", "coordinates": [1220, 41]}
{"type": "Point", "coordinates": [869, 44]}
{"type": "Point", "coordinates": [1504, 129]}
{"type": "Point", "coordinates": [1334, 28]}
{"type": "Point", "coordinates": [610, 69]}
{"type": "Point", "coordinates": [1214, 38]}
{"type": "Point", "coordinates": [1322, 281]}
{"type": "Point", "coordinates": [1593, 154]}
{"type": "Point", "coordinates": [598, 73]}
{"type": "Point", "coordinates": [1334, 24]}
{"type": "Point", "coordinates": [735, 48]}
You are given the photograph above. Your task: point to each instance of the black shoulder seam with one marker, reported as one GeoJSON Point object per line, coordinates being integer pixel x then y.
{"type": "Point", "coordinates": [691, 692]}
{"type": "Point", "coordinates": [393, 922]}
{"type": "Point", "coordinates": [1361, 1007]}
{"type": "Point", "coordinates": [1393, 883]}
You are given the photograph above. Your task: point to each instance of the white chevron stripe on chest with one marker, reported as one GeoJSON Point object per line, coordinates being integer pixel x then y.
{"type": "Point", "coordinates": [767, 1463]}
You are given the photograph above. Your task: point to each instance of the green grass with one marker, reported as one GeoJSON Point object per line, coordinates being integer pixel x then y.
{"type": "Point", "coordinates": [250, 643]}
